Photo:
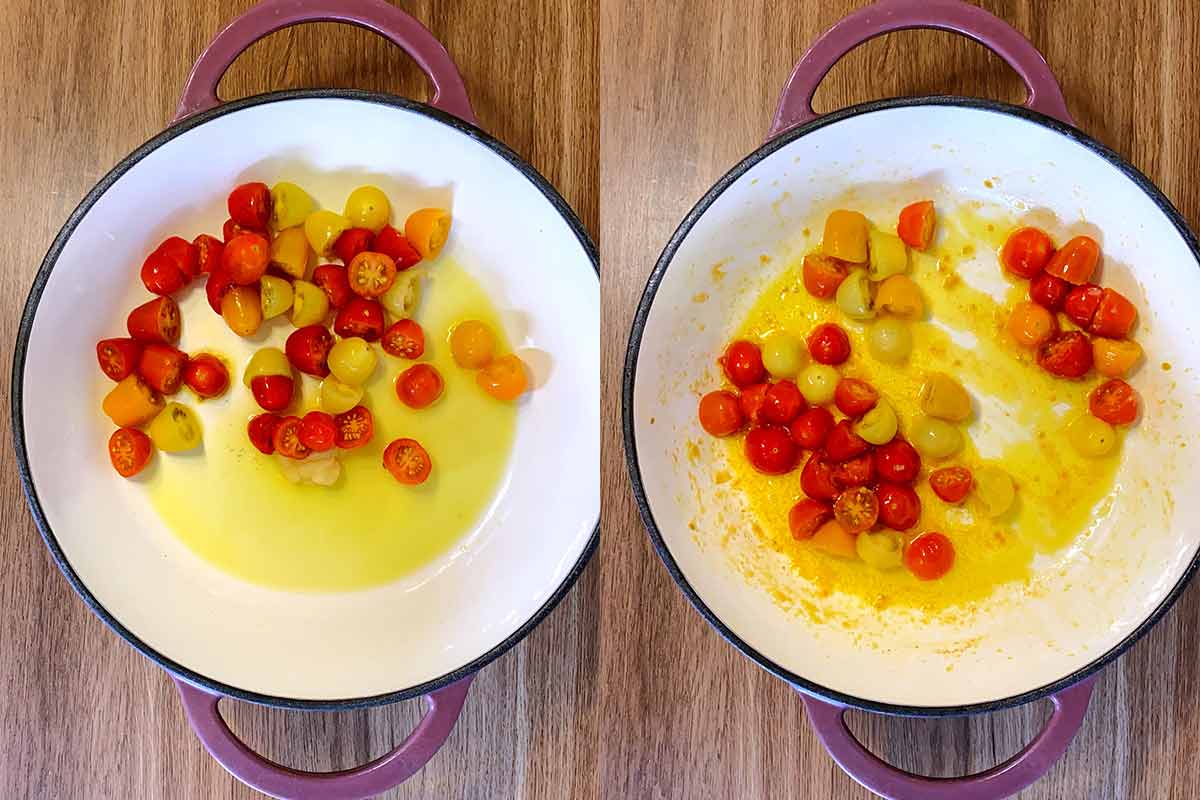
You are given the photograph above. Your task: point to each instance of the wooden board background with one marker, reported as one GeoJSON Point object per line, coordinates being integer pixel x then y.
{"type": "Point", "coordinates": [82, 715]}
{"type": "Point", "coordinates": [688, 87]}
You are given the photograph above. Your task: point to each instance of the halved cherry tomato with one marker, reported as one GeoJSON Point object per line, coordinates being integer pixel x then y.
{"type": "Point", "coordinates": [272, 392]}
{"type": "Point", "coordinates": [287, 438]}
{"type": "Point", "coordinates": [752, 400]}
{"type": "Point", "coordinates": [352, 242]}
{"type": "Point", "coordinates": [929, 556]}
{"type": "Point", "coordinates": [743, 363]}
{"type": "Point", "coordinates": [155, 321]}
{"type": "Point", "coordinates": [360, 317]}
{"type": "Point", "coordinates": [242, 310]}
{"type": "Point", "coordinates": [1114, 316]}
{"type": "Point", "coordinates": [1048, 291]}
{"type": "Point", "coordinates": [427, 230]}
{"type": "Point", "coordinates": [1081, 304]}
{"type": "Point", "coordinates": [129, 450]}
{"type": "Point", "coordinates": [816, 479]}
{"type": "Point", "coordinates": [806, 516]}
{"type": "Point", "coordinates": [1026, 252]}
{"type": "Point", "coordinates": [419, 386]}
{"type": "Point", "coordinates": [1115, 402]}
{"type": "Point", "coordinates": [333, 281]}
{"type": "Point", "coordinates": [118, 357]}
{"type": "Point", "coordinates": [391, 242]}
{"type": "Point", "coordinates": [371, 274]}
{"type": "Point", "coordinates": [1076, 260]}
{"type": "Point", "coordinates": [308, 349]}
{"type": "Point", "coordinates": [843, 443]}
{"type": "Point", "coordinates": [854, 397]}
{"type": "Point", "coordinates": [217, 286]}
{"type": "Point", "coordinates": [829, 344]}
{"type": "Point", "coordinates": [161, 366]}
{"type": "Point", "coordinates": [132, 402]}
{"type": "Point", "coordinates": [318, 431]}
{"type": "Point", "coordinates": [171, 266]}
{"type": "Point", "coordinates": [354, 428]}
{"type": "Point", "coordinates": [250, 206]}
{"type": "Point", "coordinates": [899, 506]}
{"type": "Point", "coordinates": [721, 413]}
{"type": "Point", "coordinates": [916, 223]}
{"type": "Point", "coordinates": [1030, 324]}
{"type": "Point", "coordinates": [812, 427]}
{"type": "Point", "coordinates": [407, 461]}
{"type": "Point", "coordinates": [246, 257]}
{"type": "Point", "coordinates": [857, 471]}
{"type": "Point", "coordinates": [951, 483]}
{"type": "Point", "coordinates": [856, 509]}
{"type": "Point", "coordinates": [404, 339]}
{"type": "Point", "coordinates": [231, 230]}
{"type": "Point", "coordinates": [897, 461]}
{"type": "Point", "coordinates": [206, 375]}
{"type": "Point", "coordinates": [261, 431]}
{"type": "Point", "coordinates": [770, 450]}
{"type": "Point", "coordinates": [505, 378]}
{"type": "Point", "coordinates": [1115, 357]}
{"type": "Point", "coordinates": [1067, 355]}
{"type": "Point", "coordinates": [209, 251]}
{"type": "Point", "coordinates": [823, 274]}
{"type": "Point", "coordinates": [782, 403]}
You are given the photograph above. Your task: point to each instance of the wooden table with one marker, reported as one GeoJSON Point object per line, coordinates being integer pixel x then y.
{"type": "Point", "coordinates": [687, 89]}
{"type": "Point", "coordinates": [82, 715]}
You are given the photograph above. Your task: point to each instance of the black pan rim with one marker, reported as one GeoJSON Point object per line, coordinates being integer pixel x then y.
{"type": "Point", "coordinates": [18, 372]}
{"type": "Point", "coordinates": [630, 373]}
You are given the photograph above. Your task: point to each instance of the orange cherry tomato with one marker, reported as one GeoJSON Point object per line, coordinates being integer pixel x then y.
{"type": "Point", "coordinates": [770, 450]}
{"type": "Point", "coordinates": [250, 206]}
{"type": "Point", "coordinates": [419, 386]}
{"type": "Point", "coordinates": [854, 397]}
{"type": "Point", "coordinates": [472, 344]}
{"type": "Point", "coordinates": [272, 392]}
{"type": "Point", "coordinates": [721, 413]}
{"type": "Point", "coordinates": [1067, 355]}
{"type": "Point", "coordinates": [427, 230]}
{"type": "Point", "coordinates": [246, 258]}
{"type": "Point", "coordinates": [828, 344]}
{"type": "Point", "coordinates": [782, 403]}
{"type": "Point", "coordinates": [856, 509]}
{"type": "Point", "coordinates": [843, 443]}
{"type": "Point", "coordinates": [118, 357]}
{"type": "Point", "coordinates": [161, 367]}
{"type": "Point", "coordinates": [1076, 260]}
{"type": "Point", "coordinates": [1026, 252]}
{"type": "Point", "coordinates": [916, 223]}
{"type": "Point", "coordinates": [951, 483]}
{"type": "Point", "coordinates": [823, 274]}
{"type": "Point", "coordinates": [929, 556]}
{"type": "Point", "coordinates": [899, 506]}
{"type": "Point", "coordinates": [352, 242]}
{"type": "Point", "coordinates": [1114, 358]}
{"type": "Point", "coordinates": [391, 242]}
{"type": "Point", "coordinates": [261, 431]}
{"type": "Point", "coordinates": [132, 402]}
{"type": "Point", "coordinates": [129, 450]}
{"type": "Point", "coordinates": [333, 281]}
{"type": "Point", "coordinates": [209, 251]}
{"type": "Point", "coordinates": [1031, 324]}
{"type": "Point", "coordinates": [505, 378]}
{"type": "Point", "coordinates": [404, 339]}
{"type": "Point", "coordinates": [318, 432]}
{"type": "Point", "coordinates": [155, 321]}
{"type": "Point", "coordinates": [743, 363]}
{"type": "Point", "coordinates": [806, 516]}
{"type": "Point", "coordinates": [287, 437]}
{"type": "Point", "coordinates": [371, 274]}
{"type": "Point", "coordinates": [206, 375]}
{"type": "Point", "coordinates": [816, 478]}
{"type": "Point", "coordinates": [1115, 402]}
{"type": "Point", "coordinates": [812, 427]}
{"type": "Point", "coordinates": [354, 428]}
{"type": "Point", "coordinates": [1114, 315]}
{"type": "Point", "coordinates": [408, 462]}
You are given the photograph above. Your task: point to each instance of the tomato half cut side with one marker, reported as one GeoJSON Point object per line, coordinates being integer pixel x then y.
{"type": "Point", "coordinates": [404, 339]}
{"type": "Point", "coordinates": [129, 450]}
{"type": "Point", "coordinates": [287, 439]}
{"type": "Point", "coordinates": [118, 357]}
{"type": "Point", "coordinates": [261, 431]}
{"type": "Point", "coordinates": [408, 461]}
{"type": "Point", "coordinates": [318, 431]}
{"type": "Point", "coordinates": [155, 321]}
{"type": "Point", "coordinates": [354, 428]}
{"type": "Point", "coordinates": [951, 484]}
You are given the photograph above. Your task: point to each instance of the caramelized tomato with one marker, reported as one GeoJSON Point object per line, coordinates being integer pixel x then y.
{"type": "Point", "coordinates": [1067, 355]}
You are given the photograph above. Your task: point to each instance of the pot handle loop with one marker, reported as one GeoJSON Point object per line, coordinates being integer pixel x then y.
{"type": "Point", "coordinates": [795, 104]}
{"type": "Point", "coordinates": [1003, 780]}
{"type": "Point", "coordinates": [388, 771]}
{"type": "Point", "coordinates": [449, 93]}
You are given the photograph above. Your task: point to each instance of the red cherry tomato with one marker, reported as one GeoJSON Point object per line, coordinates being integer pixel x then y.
{"type": "Point", "coordinates": [161, 366]}
{"type": "Point", "coordinates": [354, 428]}
{"type": "Point", "coordinates": [897, 461]}
{"type": "Point", "coordinates": [318, 431]}
{"type": "Point", "coordinates": [246, 257]}
{"type": "Point", "coordinates": [1076, 260]}
{"type": "Point", "coordinates": [812, 427]}
{"type": "Point", "coordinates": [1115, 402]}
{"type": "Point", "coordinates": [1026, 252]}
{"type": "Point", "coordinates": [770, 450]}
{"type": "Point", "coordinates": [360, 317]}
{"type": "Point", "coordinates": [408, 462]}
{"type": "Point", "coordinates": [843, 443]}
{"type": "Point", "coordinates": [816, 479]}
{"type": "Point", "coordinates": [721, 413]}
{"type": "Point", "coordinates": [404, 339]}
{"type": "Point", "coordinates": [333, 281]}
{"type": "Point", "coordinates": [391, 242]}
{"type": "Point", "coordinates": [209, 251]}
{"type": "Point", "coordinates": [829, 344]}
{"type": "Point", "coordinates": [287, 438]}
{"type": "Point", "coordinates": [419, 386]}
{"type": "Point", "coordinates": [915, 226]}
{"type": "Point", "coordinates": [261, 432]}
{"type": "Point", "coordinates": [782, 403]}
{"type": "Point", "coordinates": [129, 450]}
{"type": "Point", "coordinates": [308, 349]}
{"type": "Point", "coordinates": [823, 275]}
{"type": "Point", "coordinates": [272, 392]}
{"type": "Point", "coordinates": [171, 266]}
{"type": "Point", "coordinates": [206, 375]}
{"type": "Point", "coordinates": [250, 206]}
{"type": "Point", "coordinates": [929, 556]}
{"type": "Point", "coordinates": [951, 483]}
{"type": "Point", "coordinates": [1081, 303]}
{"type": "Point", "coordinates": [857, 471]}
{"type": "Point", "coordinates": [118, 357]}
{"type": "Point", "coordinates": [217, 286]}
{"type": "Point", "coordinates": [854, 397]}
{"type": "Point", "coordinates": [899, 506]}
{"type": "Point", "coordinates": [752, 400]}
{"type": "Point", "coordinates": [155, 321]}
{"type": "Point", "coordinates": [1067, 355]}
{"type": "Point", "coordinates": [1048, 291]}
{"type": "Point", "coordinates": [806, 516]}
{"type": "Point", "coordinates": [743, 363]}
{"type": "Point", "coordinates": [856, 509]}
{"type": "Point", "coordinates": [371, 274]}
{"type": "Point", "coordinates": [352, 242]}
{"type": "Point", "coordinates": [231, 230]}
{"type": "Point", "coordinates": [1114, 315]}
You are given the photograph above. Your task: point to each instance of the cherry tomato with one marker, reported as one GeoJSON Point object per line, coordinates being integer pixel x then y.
{"type": "Point", "coordinates": [843, 443]}
{"type": "Point", "coordinates": [171, 266]}
{"type": "Point", "coordinates": [857, 471]}
{"type": "Point", "coordinates": [916, 222]}
{"type": "Point", "coordinates": [806, 516]}
{"type": "Point", "coordinates": [854, 397]}
{"type": "Point", "coordinates": [427, 230]}
{"type": "Point", "coordinates": [1115, 402]}
{"type": "Point", "coordinates": [217, 286]}
{"type": "Point", "coordinates": [1048, 291]}
{"type": "Point", "coordinates": [241, 308]}
{"type": "Point", "coordinates": [1076, 260]}
{"type": "Point", "coordinates": [1067, 355]}
{"type": "Point", "coordinates": [929, 556]}
{"type": "Point", "coordinates": [407, 461]}
{"type": "Point", "coordinates": [1026, 252]}
{"type": "Point", "coordinates": [246, 257]}
{"type": "Point", "coordinates": [206, 375]}
{"type": "Point", "coordinates": [1030, 324]}
{"type": "Point", "coordinates": [770, 450]}
{"type": "Point", "coordinates": [250, 206]}
{"type": "Point", "coordinates": [155, 321]}
{"type": "Point", "coordinates": [743, 363]}
{"type": "Point", "coordinates": [404, 339]}
{"type": "Point", "coordinates": [816, 479]}
{"type": "Point", "coordinates": [752, 400]}
{"type": "Point", "coordinates": [856, 509]}
{"type": "Point", "coordinates": [272, 392]}
{"type": "Point", "coordinates": [419, 386]}
{"type": "Point", "coordinates": [287, 439]}
{"type": "Point", "coordinates": [782, 403]}
{"type": "Point", "coordinates": [352, 242]}
{"type": "Point", "coordinates": [129, 450]}
{"type": "Point", "coordinates": [951, 483]}
{"type": "Point", "coordinates": [829, 344]}
{"type": "Point", "coordinates": [721, 413]}
{"type": "Point", "coordinates": [360, 317]}
{"type": "Point", "coordinates": [391, 242]}
{"type": "Point", "coordinates": [308, 349]}
{"type": "Point", "coordinates": [823, 275]}
{"type": "Point", "coordinates": [209, 251]}
{"type": "Point", "coordinates": [1115, 357]}
{"type": "Point", "coordinates": [897, 461]}
{"type": "Point", "coordinates": [899, 506]}
{"type": "Point", "coordinates": [231, 230]}
{"type": "Point", "coordinates": [1114, 316]}
{"type": "Point", "coordinates": [472, 344]}
{"type": "Point", "coordinates": [1081, 304]}
{"type": "Point", "coordinates": [161, 366]}
{"type": "Point", "coordinates": [333, 281]}
{"type": "Point", "coordinates": [354, 428]}
{"type": "Point", "coordinates": [371, 274]}
{"type": "Point", "coordinates": [318, 431]}
{"type": "Point", "coordinates": [118, 357]}
{"type": "Point", "coordinates": [812, 427]}
{"type": "Point", "coordinates": [505, 378]}
{"type": "Point", "coordinates": [261, 431]}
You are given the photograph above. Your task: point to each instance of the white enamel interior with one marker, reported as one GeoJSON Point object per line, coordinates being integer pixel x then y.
{"type": "Point", "coordinates": [1085, 600]}
{"type": "Point", "coordinates": [323, 646]}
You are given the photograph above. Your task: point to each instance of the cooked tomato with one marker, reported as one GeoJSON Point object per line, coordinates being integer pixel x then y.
{"type": "Point", "coordinates": [371, 274]}
{"type": "Point", "coordinates": [1114, 315]}
{"type": "Point", "coordinates": [231, 230]}
{"type": "Point", "coordinates": [171, 266]}
{"type": "Point", "coordinates": [721, 413]}
{"type": "Point", "coordinates": [118, 357]}
{"type": "Point", "coordinates": [857, 471]}
{"type": "Point", "coordinates": [812, 427]}
{"type": "Point", "coordinates": [287, 438]}
{"type": "Point", "coordinates": [816, 479]}
{"type": "Point", "coordinates": [1048, 291]}
{"type": "Point", "coordinates": [161, 367]}
{"type": "Point", "coordinates": [419, 386]}
{"type": "Point", "coordinates": [217, 286]}
{"type": "Point", "coordinates": [360, 317]}
{"type": "Point", "coordinates": [1030, 324]}
{"type": "Point", "coordinates": [391, 242]}
{"type": "Point", "coordinates": [1067, 355]}
{"type": "Point", "coordinates": [318, 431]}
{"type": "Point", "coordinates": [272, 392]}
{"type": "Point", "coordinates": [261, 431]}
{"type": "Point", "coordinates": [929, 556]}
{"type": "Point", "coordinates": [404, 339]}
{"type": "Point", "coordinates": [782, 403]}
{"type": "Point", "coordinates": [352, 242]}
{"type": "Point", "coordinates": [407, 461]}
{"type": "Point", "coordinates": [752, 400]}
{"type": "Point", "coordinates": [206, 375]}
{"type": "Point", "coordinates": [1115, 402]}
{"type": "Point", "coordinates": [1026, 252]}
{"type": "Point", "coordinates": [1081, 303]}
{"type": "Point", "coordinates": [843, 443]}
{"type": "Point", "coordinates": [823, 274]}
{"type": "Point", "coordinates": [354, 428]}
{"type": "Point", "coordinates": [743, 363]}
{"type": "Point", "coordinates": [333, 281]}
{"type": "Point", "coordinates": [155, 321]}
{"type": "Point", "coordinates": [951, 483]}
{"type": "Point", "coordinates": [1076, 260]}
{"type": "Point", "coordinates": [308, 349]}
{"type": "Point", "coordinates": [916, 223]}
{"type": "Point", "coordinates": [899, 506]}
{"type": "Point", "coordinates": [129, 450]}
{"type": "Point", "coordinates": [250, 206]}
{"type": "Point", "coordinates": [1115, 357]}
{"type": "Point", "coordinates": [209, 251]}
{"type": "Point", "coordinates": [897, 461]}
{"type": "Point", "coordinates": [246, 257]}
{"type": "Point", "coordinates": [806, 516]}
{"type": "Point", "coordinates": [854, 397]}
{"type": "Point", "coordinates": [829, 344]}
{"type": "Point", "coordinates": [770, 450]}
{"type": "Point", "coordinates": [856, 509]}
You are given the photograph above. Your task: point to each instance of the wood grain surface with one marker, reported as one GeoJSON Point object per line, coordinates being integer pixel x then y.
{"type": "Point", "coordinates": [82, 715]}
{"type": "Point", "coordinates": [687, 89]}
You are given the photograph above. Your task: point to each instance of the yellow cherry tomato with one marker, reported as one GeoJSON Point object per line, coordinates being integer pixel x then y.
{"type": "Point", "coordinates": [427, 230]}
{"type": "Point", "coordinates": [783, 355]}
{"type": "Point", "coordinates": [846, 236]}
{"type": "Point", "coordinates": [888, 255]}
{"type": "Point", "coordinates": [352, 361]}
{"type": "Point", "coordinates": [935, 438]}
{"type": "Point", "coordinates": [242, 310]}
{"type": "Point", "coordinates": [266, 361]}
{"type": "Point", "coordinates": [290, 205]}
{"type": "Point", "coordinates": [290, 252]}
{"type": "Point", "coordinates": [995, 488]}
{"type": "Point", "coordinates": [1091, 437]}
{"type": "Point", "coordinates": [879, 425]}
{"type": "Point", "coordinates": [883, 550]}
{"type": "Point", "coordinates": [275, 295]}
{"type": "Point", "coordinates": [817, 383]}
{"type": "Point", "coordinates": [945, 398]}
{"type": "Point", "coordinates": [401, 299]}
{"type": "Point", "coordinates": [337, 397]}
{"type": "Point", "coordinates": [322, 229]}
{"type": "Point", "coordinates": [890, 340]}
{"type": "Point", "coordinates": [472, 344]}
{"type": "Point", "coordinates": [1115, 357]}
{"type": "Point", "coordinates": [310, 304]}
{"type": "Point", "coordinates": [505, 378]}
{"type": "Point", "coordinates": [853, 296]}
{"type": "Point", "coordinates": [368, 207]}
{"type": "Point", "coordinates": [835, 540]}
{"type": "Point", "coordinates": [175, 429]}
{"type": "Point", "coordinates": [900, 297]}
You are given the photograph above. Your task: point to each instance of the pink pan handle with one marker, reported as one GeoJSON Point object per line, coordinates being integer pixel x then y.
{"type": "Point", "coordinates": [1003, 780]}
{"type": "Point", "coordinates": [371, 779]}
{"type": "Point", "coordinates": [886, 16]}
{"type": "Point", "coordinates": [449, 93]}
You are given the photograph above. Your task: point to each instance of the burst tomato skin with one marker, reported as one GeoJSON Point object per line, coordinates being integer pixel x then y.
{"type": "Point", "coordinates": [751, 402]}
{"type": "Point", "coordinates": [333, 281]}
{"type": "Point", "coordinates": [355, 428]}
{"type": "Point", "coordinates": [308, 349]}
{"type": "Point", "coordinates": [419, 386]}
{"type": "Point", "coordinates": [770, 450]}
{"type": "Point", "coordinates": [816, 478]}
{"type": "Point", "coordinates": [404, 338]}
{"type": "Point", "coordinates": [129, 450]}
{"type": "Point", "coordinates": [1026, 252]}
{"type": "Point", "coordinates": [951, 484]}
{"type": "Point", "coordinates": [1048, 291]}
{"type": "Point", "coordinates": [720, 413]}
{"type": "Point", "coordinates": [857, 471]}
{"type": "Point", "coordinates": [360, 317]}
{"type": "Point", "coordinates": [250, 206]}
{"type": "Point", "coordinates": [1081, 303]}
{"type": "Point", "coordinates": [1067, 355]}
{"type": "Point", "coordinates": [209, 250]}
{"type": "Point", "coordinates": [897, 462]}
{"type": "Point", "coordinates": [161, 367]}
{"type": "Point", "coordinates": [811, 429]}
{"type": "Point", "coordinates": [1115, 402]}
{"type": "Point", "coordinates": [261, 431]}
{"type": "Point", "coordinates": [843, 443]}
{"type": "Point", "coordinates": [287, 437]}
{"type": "Point", "coordinates": [743, 363]}
{"type": "Point", "coordinates": [206, 375]}
{"type": "Point", "coordinates": [318, 432]}
{"type": "Point", "coordinates": [857, 509]}
{"type": "Point", "coordinates": [392, 243]}
{"type": "Point", "coordinates": [929, 556]}
{"type": "Point", "coordinates": [118, 357]}
{"type": "Point", "coordinates": [828, 344]}
{"type": "Point", "coordinates": [272, 392]}
{"type": "Point", "coordinates": [155, 321]}
{"type": "Point", "coordinates": [782, 403]}
{"type": "Point", "coordinates": [899, 506]}
{"type": "Point", "coordinates": [352, 242]}
{"type": "Point", "coordinates": [854, 397]}
{"type": "Point", "coordinates": [806, 516]}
